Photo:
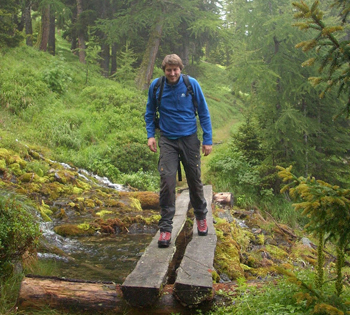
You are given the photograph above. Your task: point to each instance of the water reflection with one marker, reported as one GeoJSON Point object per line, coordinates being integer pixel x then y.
{"type": "Point", "coordinates": [98, 258]}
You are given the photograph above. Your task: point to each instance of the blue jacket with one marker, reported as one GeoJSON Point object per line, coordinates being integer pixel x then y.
{"type": "Point", "coordinates": [177, 112]}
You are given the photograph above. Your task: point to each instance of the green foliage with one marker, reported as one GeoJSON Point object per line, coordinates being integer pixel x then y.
{"type": "Point", "coordinates": [248, 143]}
{"type": "Point", "coordinates": [9, 292]}
{"type": "Point", "coordinates": [142, 180]}
{"type": "Point", "coordinates": [19, 231]}
{"type": "Point", "coordinates": [327, 207]}
{"type": "Point", "coordinates": [130, 157]}
{"type": "Point", "coordinates": [20, 88]}
{"type": "Point", "coordinates": [237, 171]}
{"type": "Point", "coordinates": [287, 295]}
{"type": "Point", "coordinates": [9, 34]}
{"type": "Point", "coordinates": [333, 54]}
{"type": "Point", "coordinates": [125, 72]}
{"type": "Point", "coordinates": [57, 78]}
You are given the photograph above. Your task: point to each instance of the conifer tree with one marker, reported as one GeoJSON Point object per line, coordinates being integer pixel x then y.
{"type": "Point", "coordinates": [293, 124]}
{"type": "Point", "coordinates": [9, 33]}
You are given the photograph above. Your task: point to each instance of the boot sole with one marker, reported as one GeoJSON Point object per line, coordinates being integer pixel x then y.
{"type": "Point", "coordinates": [163, 244]}
{"type": "Point", "coordinates": [203, 233]}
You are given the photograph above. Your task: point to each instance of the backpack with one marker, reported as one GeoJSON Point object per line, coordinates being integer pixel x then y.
{"type": "Point", "coordinates": [160, 83]}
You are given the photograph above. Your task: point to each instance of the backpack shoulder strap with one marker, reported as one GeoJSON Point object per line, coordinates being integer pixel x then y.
{"type": "Point", "coordinates": [190, 91]}
{"type": "Point", "coordinates": [159, 83]}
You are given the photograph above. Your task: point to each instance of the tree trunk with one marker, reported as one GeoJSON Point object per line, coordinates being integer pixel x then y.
{"type": "Point", "coordinates": [40, 292]}
{"type": "Point", "coordinates": [52, 39]}
{"type": "Point", "coordinates": [146, 69]}
{"type": "Point", "coordinates": [105, 59]}
{"type": "Point", "coordinates": [81, 39]}
{"type": "Point", "coordinates": [45, 27]}
{"type": "Point", "coordinates": [186, 52]}
{"type": "Point", "coordinates": [114, 58]}
{"type": "Point", "coordinates": [28, 23]}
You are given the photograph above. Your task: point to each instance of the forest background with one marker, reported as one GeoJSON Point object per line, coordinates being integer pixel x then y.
{"type": "Point", "coordinates": [74, 78]}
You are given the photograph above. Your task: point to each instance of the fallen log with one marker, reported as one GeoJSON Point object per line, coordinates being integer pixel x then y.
{"type": "Point", "coordinates": [101, 298]}
{"type": "Point", "coordinates": [224, 198]}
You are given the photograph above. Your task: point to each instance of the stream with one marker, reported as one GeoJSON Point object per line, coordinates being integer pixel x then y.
{"type": "Point", "coordinates": [93, 258]}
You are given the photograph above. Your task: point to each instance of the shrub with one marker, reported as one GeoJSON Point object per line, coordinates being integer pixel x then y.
{"type": "Point", "coordinates": [57, 78]}
{"type": "Point", "coordinates": [142, 180]}
{"type": "Point", "coordinates": [131, 157]}
{"type": "Point", "coordinates": [19, 231]}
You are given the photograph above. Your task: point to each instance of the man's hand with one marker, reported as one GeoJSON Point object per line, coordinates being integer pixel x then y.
{"type": "Point", "coordinates": [206, 149]}
{"type": "Point", "coordinates": [152, 144]}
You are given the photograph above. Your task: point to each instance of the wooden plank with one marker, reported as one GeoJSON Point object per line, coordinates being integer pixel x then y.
{"type": "Point", "coordinates": [143, 285]}
{"type": "Point", "coordinates": [194, 282]}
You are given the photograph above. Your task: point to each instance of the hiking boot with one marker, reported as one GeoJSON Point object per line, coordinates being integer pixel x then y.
{"type": "Point", "coordinates": [202, 227]}
{"type": "Point", "coordinates": [164, 239]}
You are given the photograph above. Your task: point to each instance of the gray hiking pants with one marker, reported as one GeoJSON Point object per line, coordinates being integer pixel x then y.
{"type": "Point", "coordinates": [188, 149]}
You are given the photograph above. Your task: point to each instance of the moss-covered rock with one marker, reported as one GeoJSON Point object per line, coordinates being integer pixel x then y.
{"type": "Point", "coordinates": [74, 230]}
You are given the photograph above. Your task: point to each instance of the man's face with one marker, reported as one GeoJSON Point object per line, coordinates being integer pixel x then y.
{"type": "Point", "coordinates": [172, 73]}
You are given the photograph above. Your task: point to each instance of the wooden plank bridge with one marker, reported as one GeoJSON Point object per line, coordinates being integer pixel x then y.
{"type": "Point", "coordinates": [143, 287]}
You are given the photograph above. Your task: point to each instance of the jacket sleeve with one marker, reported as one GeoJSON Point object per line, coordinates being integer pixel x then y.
{"type": "Point", "coordinates": [150, 112]}
{"type": "Point", "coordinates": [203, 112]}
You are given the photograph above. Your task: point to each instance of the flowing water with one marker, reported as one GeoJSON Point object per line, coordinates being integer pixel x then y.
{"type": "Point", "coordinates": [95, 258]}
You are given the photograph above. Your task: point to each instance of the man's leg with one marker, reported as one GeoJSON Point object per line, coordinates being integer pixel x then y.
{"type": "Point", "coordinates": [191, 159]}
{"type": "Point", "coordinates": [167, 167]}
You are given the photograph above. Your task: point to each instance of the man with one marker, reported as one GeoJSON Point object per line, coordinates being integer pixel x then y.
{"type": "Point", "coordinates": [178, 138]}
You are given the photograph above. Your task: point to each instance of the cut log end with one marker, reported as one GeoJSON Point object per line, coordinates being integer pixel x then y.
{"type": "Point", "coordinates": [224, 198]}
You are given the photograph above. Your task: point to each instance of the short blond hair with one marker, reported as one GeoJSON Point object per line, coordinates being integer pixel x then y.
{"type": "Point", "coordinates": [173, 60]}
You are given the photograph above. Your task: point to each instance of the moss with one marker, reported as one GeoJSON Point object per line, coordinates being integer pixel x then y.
{"type": "Point", "coordinates": [45, 211]}
{"type": "Point", "coordinates": [83, 186]}
{"type": "Point", "coordinates": [4, 153]}
{"type": "Point", "coordinates": [103, 213]}
{"type": "Point", "coordinates": [2, 164]}
{"type": "Point", "coordinates": [61, 214]}
{"type": "Point", "coordinates": [27, 177]}
{"type": "Point", "coordinates": [262, 272]}
{"type": "Point", "coordinates": [154, 219]}
{"type": "Point", "coordinates": [300, 251]}
{"type": "Point", "coordinates": [90, 203]}
{"type": "Point", "coordinates": [227, 258]}
{"type": "Point", "coordinates": [77, 190]}
{"type": "Point", "coordinates": [215, 276]}
{"type": "Point", "coordinates": [244, 238]}
{"type": "Point", "coordinates": [311, 260]}
{"type": "Point", "coordinates": [53, 190]}
{"type": "Point", "coordinates": [73, 230]}
{"type": "Point", "coordinates": [276, 252]}
{"type": "Point", "coordinates": [261, 239]}
{"type": "Point", "coordinates": [34, 155]}
{"type": "Point", "coordinates": [15, 169]}
{"type": "Point", "coordinates": [135, 204]}
{"type": "Point", "coordinates": [34, 187]}
{"type": "Point", "coordinates": [149, 200]}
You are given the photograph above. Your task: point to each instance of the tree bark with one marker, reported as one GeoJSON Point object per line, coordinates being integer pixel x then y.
{"type": "Point", "coordinates": [114, 58]}
{"type": "Point", "coordinates": [67, 294]}
{"type": "Point", "coordinates": [105, 59]}
{"type": "Point", "coordinates": [45, 27]}
{"type": "Point", "coordinates": [146, 69]}
{"type": "Point", "coordinates": [186, 52]}
{"type": "Point", "coordinates": [28, 23]}
{"type": "Point", "coordinates": [52, 29]}
{"type": "Point", "coordinates": [81, 39]}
